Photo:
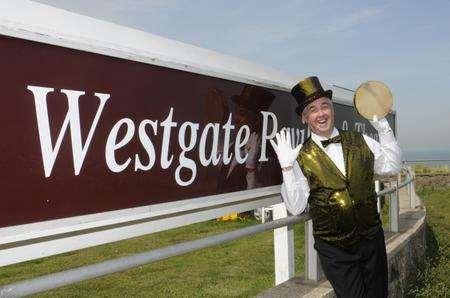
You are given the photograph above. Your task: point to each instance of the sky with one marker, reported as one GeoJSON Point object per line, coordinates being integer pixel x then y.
{"type": "Point", "coordinates": [405, 44]}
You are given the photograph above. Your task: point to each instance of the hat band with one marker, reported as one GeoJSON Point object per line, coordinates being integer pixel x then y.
{"type": "Point", "coordinates": [312, 97]}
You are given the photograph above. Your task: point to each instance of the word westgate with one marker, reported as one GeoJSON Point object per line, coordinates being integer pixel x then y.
{"type": "Point", "coordinates": [189, 136]}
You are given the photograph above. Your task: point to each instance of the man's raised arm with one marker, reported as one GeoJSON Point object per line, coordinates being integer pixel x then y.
{"type": "Point", "coordinates": [387, 153]}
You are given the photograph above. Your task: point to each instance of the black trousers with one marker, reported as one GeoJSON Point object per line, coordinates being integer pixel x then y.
{"type": "Point", "coordinates": [357, 272]}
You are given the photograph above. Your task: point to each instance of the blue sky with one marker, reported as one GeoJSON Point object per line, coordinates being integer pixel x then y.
{"type": "Point", "coordinates": [405, 44]}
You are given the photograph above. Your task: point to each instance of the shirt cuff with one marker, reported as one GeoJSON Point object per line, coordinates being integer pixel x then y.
{"type": "Point", "coordinates": [387, 137]}
{"type": "Point", "coordinates": [289, 178]}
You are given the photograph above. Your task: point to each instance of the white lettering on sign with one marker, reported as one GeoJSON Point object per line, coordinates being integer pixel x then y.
{"type": "Point", "coordinates": [344, 125]}
{"type": "Point", "coordinates": [227, 127]}
{"type": "Point", "coordinates": [148, 145]}
{"type": "Point", "coordinates": [167, 124]}
{"type": "Point", "coordinates": [112, 145]}
{"type": "Point", "coordinates": [185, 162]}
{"type": "Point", "coordinates": [72, 119]}
{"type": "Point", "coordinates": [214, 157]}
{"type": "Point", "coordinates": [241, 143]}
{"type": "Point", "coordinates": [360, 127]}
{"type": "Point", "coordinates": [267, 136]}
{"type": "Point", "coordinates": [187, 138]}
{"type": "Point", "coordinates": [297, 136]}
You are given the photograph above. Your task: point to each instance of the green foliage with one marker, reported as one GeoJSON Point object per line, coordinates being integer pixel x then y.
{"type": "Point", "coordinates": [432, 278]}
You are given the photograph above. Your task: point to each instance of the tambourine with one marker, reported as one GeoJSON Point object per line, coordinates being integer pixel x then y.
{"type": "Point", "coordinates": [373, 99]}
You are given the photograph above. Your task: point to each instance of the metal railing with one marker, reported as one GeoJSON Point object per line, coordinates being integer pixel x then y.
{"type": "Point", "coordinates": [284, 249]}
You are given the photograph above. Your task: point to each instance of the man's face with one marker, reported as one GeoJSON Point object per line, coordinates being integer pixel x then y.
{"type": "Point", "coordinates": [319, 115]}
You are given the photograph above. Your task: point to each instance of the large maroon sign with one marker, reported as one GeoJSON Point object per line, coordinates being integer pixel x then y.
{"type": "Point", "coordinates": [83, 133]}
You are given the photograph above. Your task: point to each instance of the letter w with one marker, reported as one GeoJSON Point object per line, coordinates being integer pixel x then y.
{"type": "Point", "coordinates": [72, 118]}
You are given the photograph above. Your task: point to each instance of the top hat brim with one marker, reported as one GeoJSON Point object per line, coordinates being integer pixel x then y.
{"type": "Point", "coordinates": [313, 97]}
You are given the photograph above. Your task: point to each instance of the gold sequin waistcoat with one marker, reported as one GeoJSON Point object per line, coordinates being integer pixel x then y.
{"type": "Point", "coordinates": [343, 208]}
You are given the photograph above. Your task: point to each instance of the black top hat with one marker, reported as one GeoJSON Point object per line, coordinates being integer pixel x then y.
{"type": "Point", "coordinates": [307, 91]}
{"type": "Point", "coordinates": [254, 98]}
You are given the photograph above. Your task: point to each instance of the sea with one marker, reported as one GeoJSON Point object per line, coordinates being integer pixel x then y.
{"type": "Point", "coordinates": [430, 158]}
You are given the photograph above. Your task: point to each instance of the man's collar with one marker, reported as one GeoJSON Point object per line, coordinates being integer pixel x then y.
{"type": "Point", "coordinates": [317, 138]}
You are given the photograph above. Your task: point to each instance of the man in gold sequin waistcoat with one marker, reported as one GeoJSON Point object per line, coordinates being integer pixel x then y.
{"type": "Point", "coordinates": [333, 173]}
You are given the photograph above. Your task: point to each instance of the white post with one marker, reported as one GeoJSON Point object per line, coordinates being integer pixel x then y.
{"type": "Point", "coordinates": [377, 189]}
{"type": "Point", "coordinates": [412, 190]}
{"type": "Point", "coordinates": [283, 247]}
{"type": "Point", "coordinates": [394, 210]}
{"type": "Point", "coordinates": [408, 187]}
{"type": "Point", "coordinates": [313, 270]}
{"type": "Point", "coordinates": [263, 215]}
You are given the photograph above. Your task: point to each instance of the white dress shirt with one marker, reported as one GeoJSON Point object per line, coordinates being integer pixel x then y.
{"type": "Point", "coordinates": [387, 154]}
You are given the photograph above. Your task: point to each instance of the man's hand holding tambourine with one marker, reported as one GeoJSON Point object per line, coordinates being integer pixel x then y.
{"type": "Point", "coordinates": [380, 125]}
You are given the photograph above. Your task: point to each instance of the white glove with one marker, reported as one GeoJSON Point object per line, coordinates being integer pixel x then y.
{"type": "Point", "coordinates": [252, 149]}
{"type": "Point", "coordinates": [283, 148]}
{"type": "Point", "coordinates": [382, 126]}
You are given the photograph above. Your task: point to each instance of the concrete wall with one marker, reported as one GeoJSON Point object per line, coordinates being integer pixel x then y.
{"type": "Point", "coordinates": [405, 251]}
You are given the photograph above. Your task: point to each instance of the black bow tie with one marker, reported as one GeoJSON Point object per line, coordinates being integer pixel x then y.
{"type": "Point", "coordinates": [336, 139]}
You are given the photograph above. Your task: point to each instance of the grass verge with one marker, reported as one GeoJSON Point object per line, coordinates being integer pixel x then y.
{"type": "Point", "coordinates": [432, 279]}
{"type": "Point", "coordinates": [240, 268]}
